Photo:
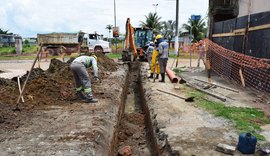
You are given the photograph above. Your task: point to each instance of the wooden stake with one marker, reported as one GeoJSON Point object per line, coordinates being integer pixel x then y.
{"type": "Point", "coordinates": [242, 78]}
{"type": "Point", "coordinates": [18, 100]}
{"type": "Point", "coordinates": [19, 85]}
{"type": "Point", "coordinates": [208, 67]}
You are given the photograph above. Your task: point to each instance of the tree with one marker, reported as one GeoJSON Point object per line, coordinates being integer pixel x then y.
{"type": "Point", "coordinates": [3, 31]}
{"type": "Point", "coordinates": [153, 22]}
{"type": "Point", "coordinates": [109, 27]}
{"type": "Point", "coordinates": [168, 29]}
{"type": "Point", "coordinates": [198, 29]}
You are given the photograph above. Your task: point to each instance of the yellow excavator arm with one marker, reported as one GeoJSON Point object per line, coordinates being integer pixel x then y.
{"type": "Point", "coordinates": [130, 46]}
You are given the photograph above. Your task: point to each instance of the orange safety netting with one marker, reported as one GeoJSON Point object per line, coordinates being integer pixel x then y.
{"type": "Point", "coordinates": [227, 63]}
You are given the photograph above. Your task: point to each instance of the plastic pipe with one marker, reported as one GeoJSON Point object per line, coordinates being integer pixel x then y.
{"type": "Point", "coordinates": [171, 75]}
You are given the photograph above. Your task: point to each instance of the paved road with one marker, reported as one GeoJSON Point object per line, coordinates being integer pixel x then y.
{"type": "Point", "coordinates": [12, 68]}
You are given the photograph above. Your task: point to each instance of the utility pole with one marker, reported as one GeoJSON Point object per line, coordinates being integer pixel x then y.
{"type": "Point", "coordinates": [115, 26]}
{"type": "Point", "coordinates": [114, 14]}
{"type": "Point", "coordinates": [176, 44]}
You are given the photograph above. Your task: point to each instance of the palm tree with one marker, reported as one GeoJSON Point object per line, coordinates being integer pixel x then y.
{"type": "Point", "coordinates": [168, 29]}
{"type": "Point", "coordinates": [109, 27]}
{"type": "Point", "coordinates": [198, 28]}
{"type": "Point", "coordinates": [3, 31]}
{"type": "Point", "coordinates": [153, 22]}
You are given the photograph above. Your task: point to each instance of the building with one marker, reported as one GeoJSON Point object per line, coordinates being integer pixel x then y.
{"type": "Point", "coordinates": [7, 40]}
{"type": "Point", "coordinates": [241, 25]}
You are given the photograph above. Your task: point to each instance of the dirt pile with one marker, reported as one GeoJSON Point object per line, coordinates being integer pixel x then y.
{"type": "Point", "coordinates": [105, 63]}
{"type": "Point", "coordinates": [54, 86]}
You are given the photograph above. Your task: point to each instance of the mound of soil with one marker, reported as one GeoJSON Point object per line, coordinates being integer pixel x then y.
{"type": "Point", "coordinates": [36, 72]}
{"type": "Point", "coordinates": [105, 63]}
{"type": "Point", "coordinates": [55, 86]}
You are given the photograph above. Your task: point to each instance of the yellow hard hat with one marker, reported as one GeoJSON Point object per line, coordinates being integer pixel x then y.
{"type": "Point", "coordinates": [158, 36]}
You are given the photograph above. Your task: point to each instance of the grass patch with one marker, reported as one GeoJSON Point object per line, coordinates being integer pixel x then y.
{"type": "Point", "coordinates": [245, 119]}
{"type": "Point", "coordinates": [12, 50]}
{"type": "Point", "coordinates": [7, 50]}
{"type": "Point", "coordinates": [27, 57]}
{"type": "Point", "coordinates": [29, 49]}
{"type": "Point", "coordinates": [114, 55]}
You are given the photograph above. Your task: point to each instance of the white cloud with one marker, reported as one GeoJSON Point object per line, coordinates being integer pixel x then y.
{"type": "Point", "coordinates": [29, 17]}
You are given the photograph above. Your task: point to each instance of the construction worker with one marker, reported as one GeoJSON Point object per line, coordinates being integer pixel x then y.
{"type": "Point", "coordinates": [163, 53]}
{"type": "Point", "coordinates": [149, 52]}
{"type": "Point", "coordinates": [201, 52]}
{"type": "Point", "coordinates": [83, 83]}
{"type": "Point", "coordinates": [154, 64]}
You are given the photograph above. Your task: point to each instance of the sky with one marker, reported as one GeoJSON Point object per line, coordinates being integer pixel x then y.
{"type": "Point", "coordinates": [30, 17]}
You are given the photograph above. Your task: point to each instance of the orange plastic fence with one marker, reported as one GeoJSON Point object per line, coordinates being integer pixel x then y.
{"type": "Point", "coordinates": [227, 63]}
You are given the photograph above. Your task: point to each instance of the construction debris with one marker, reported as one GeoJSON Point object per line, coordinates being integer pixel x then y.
{"type": "Point", "coordinates": [213, 84]}
{"type": "Point", "coordinates": [125, 151]}
{"type": "Point", "coordinates": [189, 99]}
{"type": "Point", "coordinates": [227, 149]}
{"type": "Point", "coordinates": [222, 98]}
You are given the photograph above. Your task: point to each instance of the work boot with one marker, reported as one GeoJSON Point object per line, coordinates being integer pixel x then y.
{"type": "Point", "coordinates": [90, 98]}
{"type": "Point", "coordinates": [157, 76]}
{"type": "Point", "coordinates": [151, 76]}
{"type": "Point", "coordinates": [80, 95]}
{"type": "Point", "coordinates": [162, 77]}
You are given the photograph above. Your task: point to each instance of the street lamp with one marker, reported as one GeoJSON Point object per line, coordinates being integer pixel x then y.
{"type": "Point", "coordinates": [155, 5]}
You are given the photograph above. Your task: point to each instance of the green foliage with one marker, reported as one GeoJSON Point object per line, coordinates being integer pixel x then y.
{"type": "Point", "coordinates": [168, 29]}
{"type": "Point", "coordinates": [116, 40]}
{"type": "Point", "coordinates": [3, 31]}
{"type": "Point", "coordinates": [109, 27]}
{"type": "Point", "coordinates": [153, 22]}
{"type": "Point", "coordinates": [30, 49]}
{"type": "Point", "coordinates": [26, 42]}
{"type": "Point", "coordinates": [245, 119]}
{"type": "Point", "coordinates": [114, 55]}
{"type": "Point", "coordinates": [7, 50]}
{"type": "Point", "coordinates": [12, 50]}
{"type": "Point", "coordinates": [199, 29]}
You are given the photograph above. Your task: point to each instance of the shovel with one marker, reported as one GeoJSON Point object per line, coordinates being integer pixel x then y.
{"type": "Point", "coordinates": [189, 99]}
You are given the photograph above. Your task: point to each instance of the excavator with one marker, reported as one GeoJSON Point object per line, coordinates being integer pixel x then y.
{"type": "Point", "coordinates": [136, 42]}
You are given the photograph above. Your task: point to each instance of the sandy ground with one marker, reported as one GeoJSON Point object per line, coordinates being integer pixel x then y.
{"type": "Point", "coordinates": [13, 68]}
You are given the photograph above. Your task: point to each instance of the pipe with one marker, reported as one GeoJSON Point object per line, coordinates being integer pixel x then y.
{"type": "Point", "coordinates": [171, 75]}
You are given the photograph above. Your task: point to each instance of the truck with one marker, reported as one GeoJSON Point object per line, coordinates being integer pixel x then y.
{"type": "Point", "coordinates": [67, 43]}
{"type": "Point", "coordinates": [94, 43]}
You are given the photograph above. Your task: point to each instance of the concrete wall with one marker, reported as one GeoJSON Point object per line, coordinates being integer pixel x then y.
{"type": "Point", "coordinates": [257, 6]}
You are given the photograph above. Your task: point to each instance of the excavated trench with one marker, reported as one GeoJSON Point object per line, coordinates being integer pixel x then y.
{"type": "Point", "coordinates": [134, 129]}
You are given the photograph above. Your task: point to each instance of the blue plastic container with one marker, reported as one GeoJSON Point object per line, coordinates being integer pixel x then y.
{"type": "Point", "coordinates": [247, 143]}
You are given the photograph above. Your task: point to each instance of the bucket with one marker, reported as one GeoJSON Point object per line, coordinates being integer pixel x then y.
{"type": "Point", "coordinates": [247, 143]}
